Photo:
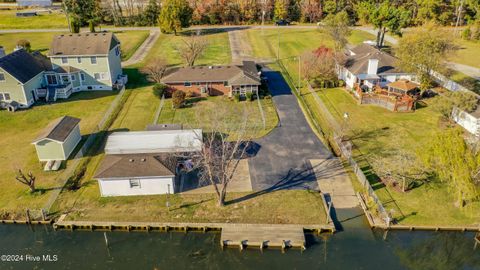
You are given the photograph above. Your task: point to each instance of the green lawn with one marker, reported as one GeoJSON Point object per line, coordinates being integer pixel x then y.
{"type": "Point", "coordinates": [467, 53]}
{"type": "Point", "coordinates": [293, 42]}
{"type": "Point", "coordinates": [40, 41]}
{"type": "Point", "coordinates": [375, 131]}
{"type": "Point", "coordinates": [217, 52]}
{"type": "Point", "coordinates": [8, 20]}
{"type": "Point", "coordinates": [17, 152]}
{"type": "Point", "coordinates": [465, 80]}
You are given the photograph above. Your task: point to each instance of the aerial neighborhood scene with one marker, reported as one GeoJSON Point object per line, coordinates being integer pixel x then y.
{"type": "Point", "coordinates": [246, 134]}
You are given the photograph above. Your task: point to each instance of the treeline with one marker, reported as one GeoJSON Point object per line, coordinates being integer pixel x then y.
{"type": "Point", "coordinates": [146, 12]}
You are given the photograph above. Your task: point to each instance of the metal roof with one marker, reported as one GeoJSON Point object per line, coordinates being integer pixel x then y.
{"type": "Point", "coordinates": [163, 141]}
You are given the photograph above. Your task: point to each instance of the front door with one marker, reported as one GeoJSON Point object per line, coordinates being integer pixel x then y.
{"type": "Point", "coordinates": [51, 79]}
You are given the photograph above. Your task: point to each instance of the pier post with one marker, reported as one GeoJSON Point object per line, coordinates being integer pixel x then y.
{"type": "Point", "coordinates": [28, 216]}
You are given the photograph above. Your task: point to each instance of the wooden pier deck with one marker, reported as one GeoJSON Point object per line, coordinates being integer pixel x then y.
{"type": "Point", "coordinates": [248, 235]}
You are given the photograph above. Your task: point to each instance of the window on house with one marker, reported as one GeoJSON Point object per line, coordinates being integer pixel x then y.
{"type": "Point", "coordinates": [97, 76]}
{"type": "Point", "coordinates": [1, 97]}
{"type": "Point", "coordinates": [117, 51]}
{"type": "Point", "coordinates": [187, 84]}
{"type": "Point", "coordinates": [64, 60]}
{"type": "Point", "coordinates": [72, 77]}
{"type": "Point", "coordinates": [93, 60]}
{"type": "Point", "coordinates": [6, 96]}
{"type": "Point", "coordinates": [134, 183]}
{"type": "Point", "coordinates": [225, 83]}
{"type": "Point", "coordinates": [79, 60]}
{"type": "Point", "coordinates": [82, 77]}
{"type": "Point", "coordinates": [65, 78]}
{"type": "Point", "coordinates": [2, 77]}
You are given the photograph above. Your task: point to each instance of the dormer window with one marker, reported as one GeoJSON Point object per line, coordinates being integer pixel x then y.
{"type": "Point", "coordinates": [79, 60]}
{"type": "Point", "coordinates": [2, 77]}
{"type": "Point", "coordinates": [64, 60]}
{"type": "Point", "coordinates": [93, 60]}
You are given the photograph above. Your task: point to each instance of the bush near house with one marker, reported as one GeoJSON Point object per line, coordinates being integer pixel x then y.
{"type": "Point", "coordinates": [178, 99]}
{"type": "Point", "coordinates": [159, 89]}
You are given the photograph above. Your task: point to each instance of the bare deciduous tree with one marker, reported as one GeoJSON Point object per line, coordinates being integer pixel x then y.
{"type": "Point", "coordinates": [192, 48]}
{"type": "Point", "coordinates": [224, 145]}
{"type": "Point", "coordinates": [155, 70]}
{"type": "Point", "coordinates": [28, 180]}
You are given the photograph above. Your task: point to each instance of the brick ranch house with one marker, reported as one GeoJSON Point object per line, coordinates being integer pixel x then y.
{"type": "Point", "coordinates": [215, 80]}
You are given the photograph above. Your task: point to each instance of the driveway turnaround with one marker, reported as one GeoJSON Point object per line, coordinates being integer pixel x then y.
{"type": "Point", "coordinates": [282, 157]}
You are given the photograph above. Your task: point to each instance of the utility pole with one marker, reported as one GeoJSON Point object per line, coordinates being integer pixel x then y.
{"type": "Point", "coordinates": [299, 71]}
{"type": "Point", "coordinates": [459, 14]}
{"type": "Point", "coordinates": [278, 47]}
{"type": "Point", "coordinates": [263, 15]}
{"type": "Point", "coordinates": [66, 15]}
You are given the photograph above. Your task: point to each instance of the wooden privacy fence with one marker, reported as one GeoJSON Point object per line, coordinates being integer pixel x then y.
{"type": "Point", "coordinates": [344, 146]}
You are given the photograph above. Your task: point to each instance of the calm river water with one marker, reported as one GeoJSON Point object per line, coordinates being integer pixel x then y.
{"type": "Point", "coordinates": [356, 247]}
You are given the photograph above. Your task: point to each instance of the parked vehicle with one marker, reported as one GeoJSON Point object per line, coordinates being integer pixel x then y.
{"type": "Point", "coordinates": [282, 23]}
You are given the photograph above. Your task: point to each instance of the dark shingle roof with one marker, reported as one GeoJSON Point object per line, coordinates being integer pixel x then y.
{"type": "Point", "coordinates": [21, 65]}
{"type": "Point", "coordinates": [358, 63]}
{"type": "Point", "coordinates": [240, 75]}
{"type": "Point", "coordinates": [137, 165]}
{"type": "Point", "coordinates": [83, 44]}
{"type": "Point", "coordinates": [58, 129]}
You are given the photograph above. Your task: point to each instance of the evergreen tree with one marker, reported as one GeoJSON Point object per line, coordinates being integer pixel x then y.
{"type": "Point", "coordinates": [175, 15]}
{"type": "Point", "coordinates": [151, 12]}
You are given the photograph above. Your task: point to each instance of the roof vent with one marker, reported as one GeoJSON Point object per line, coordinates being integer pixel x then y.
{"type": "Point", "coordinates": [143, 159]}
{"type": "Point", "coordinates": [210, 67]}
{"type": "Point", "coordinates": [131, 160]}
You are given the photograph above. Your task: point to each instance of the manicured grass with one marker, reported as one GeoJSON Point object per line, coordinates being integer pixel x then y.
{"type": "Point", "coordinates": [280, 207]}
{"type": "Point", "coordinates": [8, 20]}
{"type": "Point", "coordinates": [293, 42]}
{"type": "Point", "coordinates": [217, 52]}
{"type": "Point", "coordinates": [468, 53]}
{"type": "Point", "coordinates": [375, 131]}
{"type": "Point", "coordinates": [192, 116]}
{"type": "Point", "coordinates": [17, 152]}
{"type": "Point", "coordinates": [40, 41]}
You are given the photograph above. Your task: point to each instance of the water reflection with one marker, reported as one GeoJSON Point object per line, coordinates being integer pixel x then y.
{"type": "Point", "coordinates": [354, 248]}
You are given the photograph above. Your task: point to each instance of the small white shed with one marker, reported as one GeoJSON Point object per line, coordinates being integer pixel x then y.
{"type": "Point", "coordinates": [136, 174]}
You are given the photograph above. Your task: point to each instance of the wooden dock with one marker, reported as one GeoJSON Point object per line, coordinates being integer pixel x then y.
{"type": "Point", "coordinates": [249, 235]}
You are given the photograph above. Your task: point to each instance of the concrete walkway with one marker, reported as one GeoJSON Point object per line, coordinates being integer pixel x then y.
{"type": "Point", "coordinates": [334, 182]}
{"type": "Point", "coordinates": [143, 50]}
{"type": "Point", "coordinates": [239, 46]}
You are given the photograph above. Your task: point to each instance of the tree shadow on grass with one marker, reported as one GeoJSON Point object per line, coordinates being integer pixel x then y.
{"type": "Point", "coordinates": [187, 205]}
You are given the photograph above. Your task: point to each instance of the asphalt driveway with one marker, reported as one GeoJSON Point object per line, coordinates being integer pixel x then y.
{"type": "Point", "coordinates": [282, 158]}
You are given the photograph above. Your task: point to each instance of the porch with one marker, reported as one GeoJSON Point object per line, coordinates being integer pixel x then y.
{"type": "Point", "coordinates": [52, 92]}
{"type": "Point", "coordinates": [242, 90]}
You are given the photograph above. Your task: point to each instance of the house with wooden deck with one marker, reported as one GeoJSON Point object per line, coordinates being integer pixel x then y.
{"type": "Point", "coordinates": [215, 80]}
{"type": "Point", "coordinates": [76, 62]}
{"type": "Point", "coordinates": [366, 66]}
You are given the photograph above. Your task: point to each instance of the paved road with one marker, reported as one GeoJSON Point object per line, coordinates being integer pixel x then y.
{"type": "Point", "coordinates": [143, 50]}
{"type": "Point", "coordinates": [282, 159]}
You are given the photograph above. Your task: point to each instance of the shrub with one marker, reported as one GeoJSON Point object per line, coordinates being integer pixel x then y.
{"type": "Point", "coordinates": [75, 25]}
{"type": "Point", "coordinates": [159, 89]}
{"type": "Point", "coordinates": [190, 94]}
{"type": "Point", "coordinates": [25, 44]}
{"type": "Point", "coordinates": [467, 33]}
{"type": "Point", "coordinates": [178, 99]}
{"type": "Point", "coordinates": [237, 97]}
{"type": "Point", "coordinates": [341, 83]}
{"type": "Point", "coordinates": [249, 96]}
{"type": "Point", "coordinates": [91, 26]}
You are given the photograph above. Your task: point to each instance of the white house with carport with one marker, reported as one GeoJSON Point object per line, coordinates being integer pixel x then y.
{"type": "Point", "coordinates": [57, 141]}
{"type": "Point", "coordinates": [144, 162]}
